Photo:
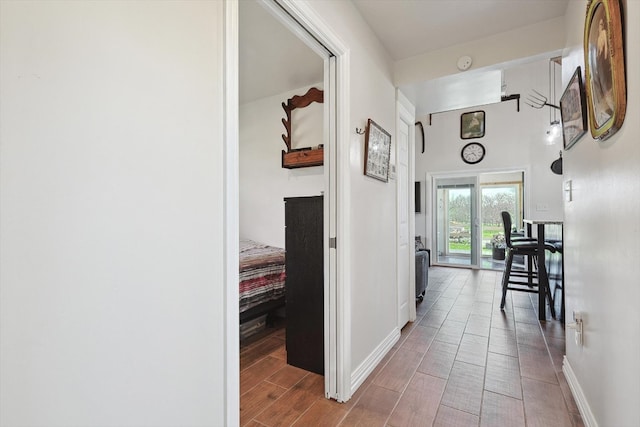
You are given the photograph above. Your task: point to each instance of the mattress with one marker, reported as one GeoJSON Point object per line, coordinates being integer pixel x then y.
{"type": "Point", "coordinates": [262, 273]}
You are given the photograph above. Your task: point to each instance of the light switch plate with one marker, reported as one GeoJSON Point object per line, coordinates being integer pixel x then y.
{"type": "Point", "coordinates": [568, 191]}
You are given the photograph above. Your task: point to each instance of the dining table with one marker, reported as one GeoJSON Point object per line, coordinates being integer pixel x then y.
{"type": "Point", "coordinates": [543, 276]}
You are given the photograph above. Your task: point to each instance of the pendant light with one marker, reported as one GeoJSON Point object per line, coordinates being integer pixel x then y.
{"type": "Point", "coordinates": [538, 101]}
{"type": "Point", "coordinates": [555, 130]}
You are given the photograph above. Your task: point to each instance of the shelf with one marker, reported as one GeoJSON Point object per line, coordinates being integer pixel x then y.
{"type": "Point", "coordinates": [303, 158]}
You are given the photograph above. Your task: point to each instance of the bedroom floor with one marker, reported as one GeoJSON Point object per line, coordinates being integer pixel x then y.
{"type": "Point", "coordinates": [463, 362]}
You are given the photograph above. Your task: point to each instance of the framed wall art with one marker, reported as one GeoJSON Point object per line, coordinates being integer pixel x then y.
{"type": "Point", "coordinates": [604, 68]}
{"type": "Point", "coordinates": [573, 110]}
{"type": "Point", "coordinates": [472, 125]}
{"type": "Point", "coordinates": [377, 151]}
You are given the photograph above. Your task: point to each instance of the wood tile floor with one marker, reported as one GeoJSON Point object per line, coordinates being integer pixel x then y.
{"type": "Point", "coordinates": [463, 362]}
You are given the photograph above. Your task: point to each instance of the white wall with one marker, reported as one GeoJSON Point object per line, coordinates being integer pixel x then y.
{"type": "Point", "coordinates": [513, 141]}
{"type": "Point", "coordinates": [602, 244]}
{"type": "Point", "coordinates": [373, 217]}
{"type": "Point", "coordinates": [112, 257]}
{"type": "Point", "coordinates": [263, 182]}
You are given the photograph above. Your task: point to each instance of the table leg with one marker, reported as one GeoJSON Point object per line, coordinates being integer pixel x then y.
{"type": "Point", "coordinates": [529, 260]}
{"type": "Point", "coordinates": [562, 282]}
{"type": "Point", "coordinates": [542, 275]}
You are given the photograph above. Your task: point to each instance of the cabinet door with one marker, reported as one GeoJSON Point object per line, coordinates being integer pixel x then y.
{"type": "Point", "coordinates": [304, 283]}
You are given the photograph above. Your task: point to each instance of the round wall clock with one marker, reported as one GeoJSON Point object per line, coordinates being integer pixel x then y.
{"type": "Point", "coordinates": [472, 153]}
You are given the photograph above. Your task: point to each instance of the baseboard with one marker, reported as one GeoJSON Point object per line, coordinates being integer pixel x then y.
{"type": "Point", "coordinates": [578, 395]}
{"type": "Point", "coordinates": [369, 364]}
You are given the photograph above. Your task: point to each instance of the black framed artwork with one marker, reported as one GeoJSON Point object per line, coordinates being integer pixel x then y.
{"type": "Point", "coordinates": [573, 110]}
{"type": "Point", "coordinates": [377, 151]}
{"type": "Point", "coordinates": [472, 125]}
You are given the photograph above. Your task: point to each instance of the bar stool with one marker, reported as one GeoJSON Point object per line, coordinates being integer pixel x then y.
{"type": "Point", "coordinates": [528, 248]}
{"type": "Point", "coordinates": [559, 249]}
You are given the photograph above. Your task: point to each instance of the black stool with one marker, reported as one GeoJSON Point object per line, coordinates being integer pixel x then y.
{"type": "Point", "coordinates": [528, 248]}
{"type": "Point", "coordinates": [559, 249]}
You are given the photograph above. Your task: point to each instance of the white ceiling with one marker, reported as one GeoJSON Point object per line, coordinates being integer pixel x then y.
{"type": "Point", "coordinates": [408, 28]}
{"type": "Point", "coordinates": [273, 60]}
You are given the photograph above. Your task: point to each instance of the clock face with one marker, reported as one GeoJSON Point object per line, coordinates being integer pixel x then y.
{"type": "Point", "coordinates": [472, 153]}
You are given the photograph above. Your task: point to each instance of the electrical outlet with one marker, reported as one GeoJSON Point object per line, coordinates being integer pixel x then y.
{"type": "Point", "coordinates": [576, 325]}
{"type": "Point", "coordinates": [392, 171]}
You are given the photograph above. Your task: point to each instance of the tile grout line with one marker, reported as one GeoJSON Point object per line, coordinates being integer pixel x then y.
{"type": "Point", "coordinates": [418, 365]}
{"type": "Point", "coordinates": [460, 285]}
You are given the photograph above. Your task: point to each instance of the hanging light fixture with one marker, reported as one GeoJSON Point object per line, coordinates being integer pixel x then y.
{"type": "Point", "coordinates": [538, 100]}
{"type": "Point", "coordinates": [555, 130]}
{"type": "Point", "coordinates": [553, 134]}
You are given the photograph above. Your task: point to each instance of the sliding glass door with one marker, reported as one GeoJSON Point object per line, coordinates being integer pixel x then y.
{"type": "Point", "coordinates": [468, 227]}
{"type": "Point", "coordinates": [499, 192]}
{"type": "Point", "coordinates": [456, 220]}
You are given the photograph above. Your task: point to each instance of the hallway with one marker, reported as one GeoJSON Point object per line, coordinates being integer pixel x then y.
{"type": "Point", "coordinates": [463, 362]}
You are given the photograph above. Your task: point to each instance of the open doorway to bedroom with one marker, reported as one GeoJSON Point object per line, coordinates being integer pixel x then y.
{"type": "Point", "coordinates": [286, 116]}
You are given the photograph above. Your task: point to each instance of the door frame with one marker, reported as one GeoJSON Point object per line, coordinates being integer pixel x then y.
{"type": "Point", "coordinates": [337, 204]}
{"type": "Point", "coordinates": [473, 179]}
{"type": "Point", "coordinates": [430, 216]}
{"type": "Point", "coordinates": [231, 103]}
{"type": "Point", "coordinates": [405, 113]}
{"type": "Point", "coordinates": [308, 26]}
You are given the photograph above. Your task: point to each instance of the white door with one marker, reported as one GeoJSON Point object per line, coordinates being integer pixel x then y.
{"type": "Point", "coordinates": [405, 209]}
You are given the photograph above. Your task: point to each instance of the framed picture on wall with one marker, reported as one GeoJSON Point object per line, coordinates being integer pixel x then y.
{"type": "Point", "coordinates": [573, 111]}
{"type": "Point", "coordinates": [377, 151]}
{"type": "Point", "coordinates": [604, 68]}
{"type": "Point", "coordinates": [472, 125]}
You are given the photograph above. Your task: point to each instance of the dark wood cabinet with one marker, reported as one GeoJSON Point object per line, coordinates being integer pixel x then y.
{"type": "Point", "coordinates": [305, 283]}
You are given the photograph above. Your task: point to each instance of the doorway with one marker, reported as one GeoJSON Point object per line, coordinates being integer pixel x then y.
{"type": "Point", "coordinates": [467, 227]}
{"type": "Point", "coordinates": [291, 16]}
{"type": "Point", "coordinates": [456, 219]}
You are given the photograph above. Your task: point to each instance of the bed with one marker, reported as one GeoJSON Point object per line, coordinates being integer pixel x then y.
{"type": "Point", "coordinates": [262, 277]}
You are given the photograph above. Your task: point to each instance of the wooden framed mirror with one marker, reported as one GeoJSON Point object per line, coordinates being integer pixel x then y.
{"type": "Point", "coordinates": [294, 158]}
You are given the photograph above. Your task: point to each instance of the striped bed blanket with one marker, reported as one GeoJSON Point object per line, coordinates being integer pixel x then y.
{"type": "Point", "coordinates": [262, 273]}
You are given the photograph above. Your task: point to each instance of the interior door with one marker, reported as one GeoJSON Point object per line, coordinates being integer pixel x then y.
{"type": "Point", "coordinates": [457, 221]}
{"type": "Point", "coordinates": [405, 279]}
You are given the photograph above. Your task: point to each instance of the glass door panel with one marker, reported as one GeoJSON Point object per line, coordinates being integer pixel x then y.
{"type": "Point", "coordinates": [456, 221]}
{"type": "Point", "coordinates": [498, 192]}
